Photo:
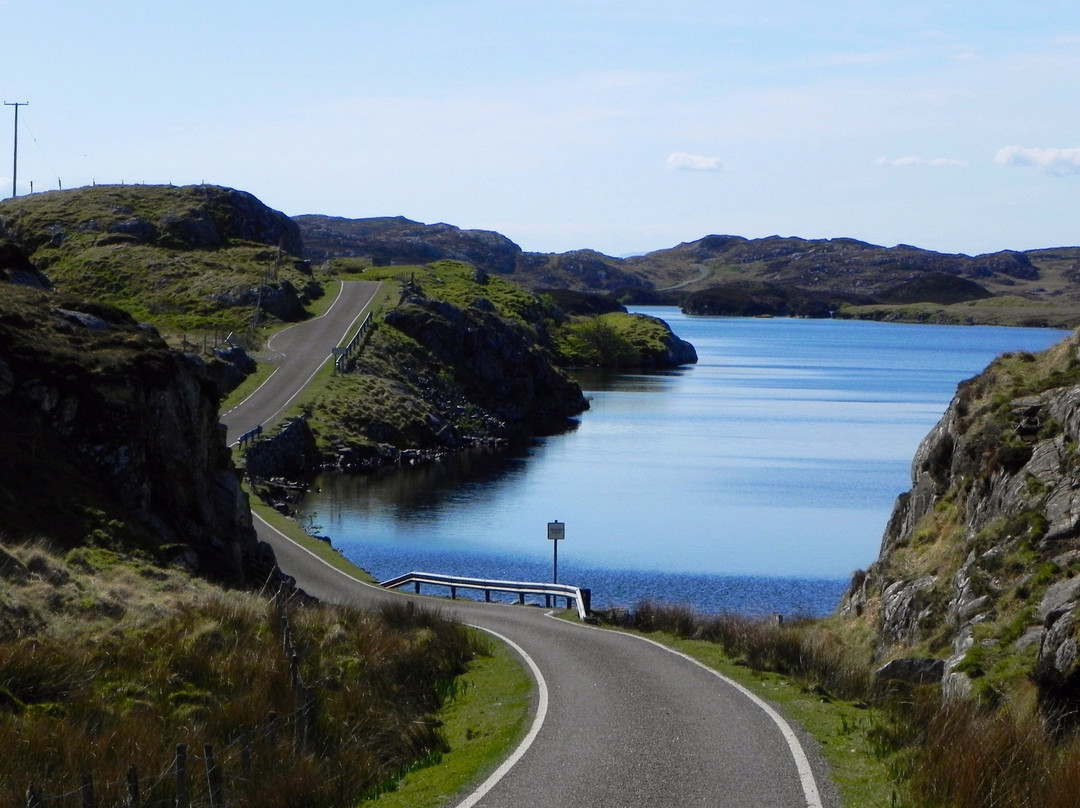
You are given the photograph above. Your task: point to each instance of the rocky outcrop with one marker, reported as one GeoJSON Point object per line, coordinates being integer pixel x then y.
{"type": "Point", "coordinates": [189, 217]}
{"type": "Point", "coordinates": [228, 367]}
{"type": "Point", "coordinates": [197, 258]}
{"type": "Point", "coordinates": [674, 352]}
{"type": "Point", "coordinates": [15, 267]}
{"type": "Point", "coordinates": [980, 561]}
{"type": "Point", "coordinates": [290, 454]}
{"type": "Point", "coordinates": [496, 364]}
{"type": "Point", "coordinates": [111, 436]}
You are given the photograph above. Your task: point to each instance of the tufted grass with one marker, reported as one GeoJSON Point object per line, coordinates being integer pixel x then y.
{"type": "Point", "coordinates": [109, 661]}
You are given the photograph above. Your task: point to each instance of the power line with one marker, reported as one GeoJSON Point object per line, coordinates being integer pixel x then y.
{"type": "Point", "coordinates": [15, 160]}
{"type": "Point", "coordinates": [45, 157]}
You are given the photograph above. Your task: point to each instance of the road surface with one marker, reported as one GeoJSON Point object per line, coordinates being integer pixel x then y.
{"type": "Point", "coordinates": [299, 351]}
{"type": "Point", "coordinates": [620, 721]}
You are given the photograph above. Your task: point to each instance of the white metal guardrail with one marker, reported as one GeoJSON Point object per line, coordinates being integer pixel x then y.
{"type": "Point", "coordinates": [580, 596]}
{"type": "Point", "coordinates": [343, 355]}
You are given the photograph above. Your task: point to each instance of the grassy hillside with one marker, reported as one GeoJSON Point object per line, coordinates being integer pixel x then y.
{"type": "Point", "coordinates": [108, 662]}
{"type": "Point", "coordinates": [184, 259]}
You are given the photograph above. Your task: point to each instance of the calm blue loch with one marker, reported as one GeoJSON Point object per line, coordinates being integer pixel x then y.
{"type": "Point", "coordinates": [755, 481]}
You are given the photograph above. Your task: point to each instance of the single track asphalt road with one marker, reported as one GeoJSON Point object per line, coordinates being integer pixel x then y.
{"type": "Point", "coordinates": [300, 351]}
{"type": "Point", "coordinates": [620, 721]}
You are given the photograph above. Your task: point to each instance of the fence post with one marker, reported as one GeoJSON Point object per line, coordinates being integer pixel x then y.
{"type": "Point", "coordinates": [181, 777]}
{"type": "Point", "coordinates": [86, 791]}
{"type": "Point", "coordinates": [133, 787]}
{"type": "Point", "coordinates": [213, 777]}
{"type": "Point", "coordinates": [245, 759]}
{"type": "Point", "coordinates": [33, 797]}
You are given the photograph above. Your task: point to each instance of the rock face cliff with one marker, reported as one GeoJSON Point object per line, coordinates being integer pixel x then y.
{"type": "Point", "coordinates": [495, 366]}
{"type": "Point", "coordinates": [979, 562]}
{"type": "Point", "coordinates": [109, 436]}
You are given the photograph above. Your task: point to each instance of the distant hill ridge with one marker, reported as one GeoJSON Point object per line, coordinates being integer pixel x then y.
{"type": "Point", "coordinates": [1035, 287]}
{"type": "Point", "coordinates": [70, 234]}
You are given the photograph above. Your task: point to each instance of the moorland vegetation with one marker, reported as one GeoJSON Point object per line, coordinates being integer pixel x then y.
{"type": "Point", "coordinates": [129, 621]}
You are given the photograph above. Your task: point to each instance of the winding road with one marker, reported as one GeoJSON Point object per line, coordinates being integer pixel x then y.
{"type": "Point", "coordinates": [619, 720]}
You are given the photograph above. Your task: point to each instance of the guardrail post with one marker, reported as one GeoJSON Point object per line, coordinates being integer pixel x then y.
{"type": "Point", "coordinates": [487, 596]}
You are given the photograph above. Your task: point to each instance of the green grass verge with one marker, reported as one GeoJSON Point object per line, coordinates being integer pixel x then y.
{"type": "Point", "coordinates": [295, 533]}
{"type": "Point", "coordinates": [263, 371]}
{"type": "Point", "coordinates": [844, 730]}
{"type": "Point", "coordinates": [482, 725]}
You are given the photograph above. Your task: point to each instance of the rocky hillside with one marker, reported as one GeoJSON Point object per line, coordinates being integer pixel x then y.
{"type": "Point", "coordinates": [734, 275]}
{"type": "Point", "coordinates": [192, 258]}
{"type": "Point", "coordinates": [979, 563]}
{"type": "Point", "coordinates": [388, 241]}
{"type": "Point", "coordinates": [462, 360]}
{"type": "Point", "coordinates": [111, 437]}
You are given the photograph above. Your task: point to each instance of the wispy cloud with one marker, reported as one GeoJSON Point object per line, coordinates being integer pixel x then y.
{"type": "Point", "coordinates": [1059, 162]}
{"type": "Point", "coordinates": [681, 161]}
{"type": "Point", "coordinates": [931, 162]}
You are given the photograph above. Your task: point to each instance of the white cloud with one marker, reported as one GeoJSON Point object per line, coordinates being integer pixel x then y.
{"type": "Point", "coordinates": [1060, 162]}
{"type": "Point", "coordinates": [681, 161]}
{"type": "Point", "coordinates": [932, 162]}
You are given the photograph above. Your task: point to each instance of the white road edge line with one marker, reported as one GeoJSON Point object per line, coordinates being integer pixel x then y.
{"type": "Point", "coordinates": [317, 369]}
{"type": "Point", "coordinates": [527, 741]}
{"type": "Point", "coordinates": [802, 762]}
{"type": "Point", "coordinates": [541, 687]}
{"type": "Point", "coordinates": [254, 392]}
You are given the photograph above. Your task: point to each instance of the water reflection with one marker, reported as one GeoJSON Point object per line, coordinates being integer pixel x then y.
{"type": "Point", "coordinates": [772, 464]}
{"type": "Point", "coordinates": [402, 491]}
{"type": "Point", "coordinates": [605, 380]}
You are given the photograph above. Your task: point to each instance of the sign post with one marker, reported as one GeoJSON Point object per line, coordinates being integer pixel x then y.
{"type": "Point", "coordinates": [556, 532]}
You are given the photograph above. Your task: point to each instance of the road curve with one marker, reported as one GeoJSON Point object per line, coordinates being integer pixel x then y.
{"type": "Point", "coordinates": [620, 721]}
{"type": "Point", "coordinates": [299, 350]}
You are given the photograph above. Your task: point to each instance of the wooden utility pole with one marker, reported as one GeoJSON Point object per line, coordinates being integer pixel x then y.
{"type": "Point", "coordinates": [15, 162]}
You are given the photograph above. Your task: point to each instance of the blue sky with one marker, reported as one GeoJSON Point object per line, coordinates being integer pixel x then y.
{"type": "Point", "coordinates": [619, 126]}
